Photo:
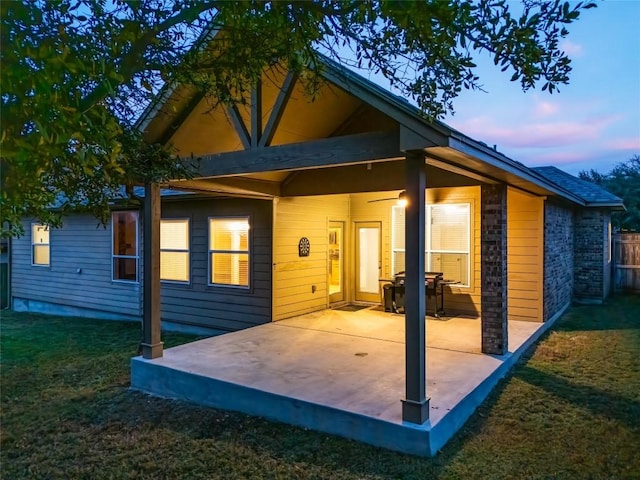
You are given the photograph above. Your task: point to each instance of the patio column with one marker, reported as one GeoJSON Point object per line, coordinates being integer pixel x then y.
{"type": "Point", "coordinates": [415, 407]}
{"type": "Point", "coordinates": [493, 271]}
{"type": "Point", "coordinates": [151, 344]}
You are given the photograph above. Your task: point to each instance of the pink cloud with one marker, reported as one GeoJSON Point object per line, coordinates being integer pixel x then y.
{"type": "Point", "coordinates": [536, 135]}
{"type": "Point", "coordinates": [625, 144]}
{"type": "Point", "coordinates": [560, 158]}
{"type": "Point", "coordinates": [572, 49]}
{"type": "Point", "coordinates": [545, 109]}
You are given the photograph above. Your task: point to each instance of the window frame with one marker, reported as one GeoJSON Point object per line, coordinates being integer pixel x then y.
{"type": "Point", "coordinates": [609, 241]}
{"type": "Point", "coordinates": [188, 251]}
{"type": "Point", "coordinates": [48, 245]}
{"type": "Point", "coordinates": [427, 244]}
{"type": "Point", "coordinates": [137, 255]}
{"type": "Point", "coordinates": [245, 288]}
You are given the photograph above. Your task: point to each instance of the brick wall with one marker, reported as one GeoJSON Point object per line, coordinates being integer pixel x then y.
{"type": "Point", "coordinates": [493, 245]}
{"type": "Point", "coordinates": [558, 257]}
{"type": "Point", "coordinates": [590, 250]}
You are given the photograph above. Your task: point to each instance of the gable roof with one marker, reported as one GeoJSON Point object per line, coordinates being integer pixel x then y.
{"type": "Point", "coordinates": [442, 143]}
{"type": "Point", "coordinates": [592, 194]}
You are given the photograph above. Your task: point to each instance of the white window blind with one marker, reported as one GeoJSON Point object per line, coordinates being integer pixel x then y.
{"type": "Point", "coordinates": [229, 251]}
{"type": "Point", "coordinates": [41, 254]}
{"type": "Point", "coordinates": [174, 250]}
{"type": "Point", "coordinates": [397, 238]}
{"type": "Point", "coordinates": [447, 240]}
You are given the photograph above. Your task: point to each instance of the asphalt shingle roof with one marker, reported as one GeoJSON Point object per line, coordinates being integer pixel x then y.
{"type": "Point", "coordinates": [589, 192]}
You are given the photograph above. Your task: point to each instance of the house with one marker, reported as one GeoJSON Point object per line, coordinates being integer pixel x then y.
{"type": "Point", "coordinates": [294, 210]}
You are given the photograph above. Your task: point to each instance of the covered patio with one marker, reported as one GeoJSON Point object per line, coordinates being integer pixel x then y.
{"type": "Point", "coordinates": [340, 372]}
{"type": "Point", "coordinates": [340, 160]}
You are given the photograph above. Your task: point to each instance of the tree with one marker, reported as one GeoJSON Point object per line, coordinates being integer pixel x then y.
{"type": "Point", "coordinates": [624, 181]}
{"type": "Point", "coordinates": [76, 73]}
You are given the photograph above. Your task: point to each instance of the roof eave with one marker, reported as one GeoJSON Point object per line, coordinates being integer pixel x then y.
{"type": "Point", "coordinates": [168, 89]}
{"type": "Point", "coordinates": [486, 154]}
{"type": "Point", "coordinates": [612, 205]}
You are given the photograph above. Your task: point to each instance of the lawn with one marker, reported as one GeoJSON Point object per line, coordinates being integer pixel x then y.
{"type": "Point", "coordinates": [570, 410]}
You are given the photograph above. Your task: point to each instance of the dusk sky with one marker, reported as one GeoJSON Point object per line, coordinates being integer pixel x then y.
{"type": "Point", "coordinates": [594, 122]}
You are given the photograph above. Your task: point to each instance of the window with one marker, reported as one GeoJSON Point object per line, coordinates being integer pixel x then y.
{"type": "Point", "coordinates": [229, 251]}
{"type": "Point", "coordinates": [608, 240]}
{"type": "Point", "coordinates": [447, 240]}
{"type": "Point", "coordinates": [174, 250]}
{"type": "Point", "coordinates": [40, 248]}
{"type": "Point", "coordinates": [125, 246]}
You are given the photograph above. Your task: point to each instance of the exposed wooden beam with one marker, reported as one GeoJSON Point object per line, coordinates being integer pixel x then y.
{"type": "Point", "coordinates": [256, 113]}
{"type": "Point", "coordinates": [460, 171]}
{"type": "Point", "coordinates": [239, 185]}
{"type": "Point", "coordinates": [410, 140]}
{"type": "Point", "coordinates": [278, 110]}
{"type": "Point", "coordinates": [239, 126]}
{"type": "Point", "coordinates": [350, 149]}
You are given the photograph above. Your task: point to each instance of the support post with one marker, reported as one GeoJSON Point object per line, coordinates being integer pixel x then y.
{"type": "Point", "coordinates": [151, 344]}
{"type": "Point", "coordinates": [415, 407]}
{"type": "Point", "coordinates": [493, 271]}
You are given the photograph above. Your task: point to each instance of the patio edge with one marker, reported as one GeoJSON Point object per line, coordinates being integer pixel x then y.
{"type": "Point", "coordinates": [160, 380]}
{"type": "Point", "coordinates": [451, 423]}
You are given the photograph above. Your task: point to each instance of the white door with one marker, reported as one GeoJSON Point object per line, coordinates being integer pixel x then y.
{"type": "Point", "coordinates": [368, 261]}
{"type": "Point", "coordinates": [335, 268]}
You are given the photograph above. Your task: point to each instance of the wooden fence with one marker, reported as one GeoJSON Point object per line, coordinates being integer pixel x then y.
{"type": "Point", "coordinates": [626, 262]}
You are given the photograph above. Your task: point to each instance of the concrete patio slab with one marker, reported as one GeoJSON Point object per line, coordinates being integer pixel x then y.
{"type": "Point", "coordinates": [339, 372]}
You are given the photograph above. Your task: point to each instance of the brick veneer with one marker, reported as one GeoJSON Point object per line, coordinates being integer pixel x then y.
{"type": "Point", "coordinates": [493, 245]}
{"type": "Point", "coordinates": [558, 257]}
{"type": "Point", "coordinates": [590, 250]}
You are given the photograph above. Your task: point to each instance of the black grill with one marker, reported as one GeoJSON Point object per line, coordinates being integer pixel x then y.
{"type": "Point", "coordinates": [434, 293]}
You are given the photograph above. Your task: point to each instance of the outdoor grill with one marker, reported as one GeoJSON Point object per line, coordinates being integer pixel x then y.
{"type": "Point", "coordinates": [434, 293]}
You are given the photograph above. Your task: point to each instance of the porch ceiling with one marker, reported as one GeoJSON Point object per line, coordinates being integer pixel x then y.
{"type": "Point", "coordinates": [368, 177]}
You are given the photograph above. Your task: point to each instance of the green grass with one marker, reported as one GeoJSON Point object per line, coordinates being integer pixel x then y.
{"type": "Point", "coordinates": [570, 410]}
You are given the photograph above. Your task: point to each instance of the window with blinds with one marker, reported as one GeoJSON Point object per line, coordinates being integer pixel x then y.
{"type": "Point", "coordinates": [124, 226]}
{"type": "Point", "coordinates": [40, 248]}
{"type": "Point", "coordinates": [174, 250]}
{"type": "Point", "coordinates": [229, 251]}
{"type": "Point", "coordinates": [447, 240]}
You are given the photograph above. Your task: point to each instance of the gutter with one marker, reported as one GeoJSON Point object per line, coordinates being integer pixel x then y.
{"type": "Point", "coordinates": [465, 144]}
{"type": "Point", "coordinates": [456, 140]}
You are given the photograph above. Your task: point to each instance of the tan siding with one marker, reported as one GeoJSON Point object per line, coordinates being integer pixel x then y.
{"type": "Point", "coordinates": [294, 276]}
{"type": "Point", "coordinates": [524, 250]}
{"type": "Point", "coordinates": [309, 216]}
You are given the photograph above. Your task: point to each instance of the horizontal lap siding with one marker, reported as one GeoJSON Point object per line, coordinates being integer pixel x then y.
{"type": "Point", "coordinates": [524, 256]}
{"type": "Point", "coordinates": [295, 276]}
{"type": "Point", "coordinates": [79, 244]}
{"type": "Point", "coordinates": [222, 308]}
